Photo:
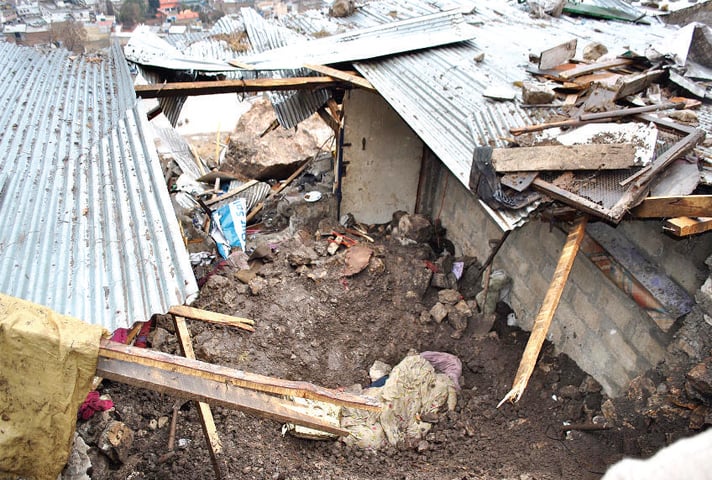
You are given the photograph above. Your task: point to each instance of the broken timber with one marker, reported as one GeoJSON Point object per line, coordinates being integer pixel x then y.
{"type": "Point", "coordinates": [218, 385]}
{"type": "Point", "coordinates": [212, 317]}
{"type": "Point", "coordinates": [590, 68]}
{"type": "Point", "coordinates": [546, 312]}
{"type": "Point", "coordinates": [669, 207]}
{"type": "Point", "coordinates": [184, 89]}
{"type": "Point", "coordinates": [685, 226]}
{"type": "Point", "coordinates": [355, 80]}
{"type": "Point", "coordinates": [557, 55]}
{"type": "Point", "coordinates": [206, 415]}
{"type": "Point", "coordinates": [564, 157]}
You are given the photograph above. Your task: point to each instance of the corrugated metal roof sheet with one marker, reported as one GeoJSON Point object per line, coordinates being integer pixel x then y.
{"type": "Point", "coordinates": [378, 41]}
{"type": "Point", "coordinates": [88, 228]}
{"type": "Point", "coordinates": [291, 107]}
{"type": "Point", "coordinates": [437, 90]}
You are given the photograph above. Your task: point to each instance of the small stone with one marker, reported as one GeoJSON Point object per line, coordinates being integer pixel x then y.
{"type": "Point", "coordinates": [609, 411]}
{"type": "Point", "coordinates": [245, 276]}
{"type": "Point", "coordinates": [449, 296]}
{"type": "Point", "coordinates": [594, 51]}
{"type": "Point", "coordinates": [153, 424]}
{"type": "Point", "coordinates": [423, 446]}
{"type": "Point", "coordinates": [537, 93]}
{"type": "Point", "coordinates": [699, 381]}
{"type": "Point", "coordinates": [425, 317]}
{"type": "Point", "coordinates": [438, 312]}
{"type": "Point", "coordinates": [569, 391]}
{"type": "Point", "coordinates": [480, 57]}
{"type": "Point", "coordinates": [162, 421]}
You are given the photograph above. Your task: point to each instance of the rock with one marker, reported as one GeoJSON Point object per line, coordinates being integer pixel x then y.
{"type": "Point", "coordinates": [483, 324]}
{"type": "Point", "coordinates": [470, 280]}
{"type": "Point", "coordinates": [449, 296]}
{"type": "Point", "coordinates": [302, 255]}
{"type": "Point", "coordinates": [356, 259]}
{"type": "Point", "coordinates": [160, 338]}
{"type": "Point", "coordinates": [115, 441]}
{"type": "Point", "coordinates": [594, 51]}
{"type": "Point", "coordinates": [699, 381]}
{"type": "Point", "coordinates": [479, 58]}
{"type": "Point", "coordinates": [238, 259]}
{"type": "Point", "coordinates": [685, 116]}
{"type": "Point", "coordinates": [257, 284]}
{"type": "Point", "coordinates": [704, 296]}
{"type": "Point", "coordinates": [342, 8]}
{"type": "Point", "coordinates": [425, 317]}
{"type": "Point", "coordinates": [440, 280]}
{"type": "Point", "coordinates": [274, 155]}
{"type": "Point", "coordinates": [378, 370]}
{"type": "Point", "coordinates": [413, 229]}
{"type": "Point", "coordinates": [609, 411]}
{"type": "Point", "coordinates": [423, 446]}
{"type": "Point", "coordinates": [217, 282]}
{"type": "Point", "coordinates": [458, 317]}
{"type": "Point", "coordinates": [700, 416]}
{"type": "Point", "coordinates": [376, 266]}
{"type": "Point", "coordinates": [78, 463]}
{"type": "Point", "coordinates": [246, 276]}
{"type": "Point", "coordinates": [438, 312]}
{"type": "Point", "coordinates": [162, 421]}
{"type": "Point", "coordinates": [570, 391]}
{"type": "Point", "coordinates": [590, 385]}
{"type": "Point", "coordinates": [537, 93]}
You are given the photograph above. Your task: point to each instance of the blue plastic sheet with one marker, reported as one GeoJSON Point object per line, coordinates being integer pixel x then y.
{"type": "Point", "coordinates": [229, 226]}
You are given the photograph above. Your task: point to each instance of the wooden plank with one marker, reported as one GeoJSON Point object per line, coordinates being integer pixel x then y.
{"type": "Point", "coordinates": [229, 376]}
{"type": "Point", "coordinates": [590, 68]}
{"type": "Point", "coordinates": [206, 415]}
{"type": "Point", "coordinates": [225, 395]}
{"type": "Point", "coordinates": [635, 83]}
{"type": "Point", "coordinates": [257, 208]}
{"type": "Point", "coordinates": [564, 157]}
{"type": "Point", "coordinates": [185, 89]}
{"type": "Point", "coordinates": [341, 75]}
{"type": "Point", "coordinates": [329, 120]}
{"type": "Point", "coordinates": [668, 207]}
{"type": "Point", "coordinates": [685, 226]}
{"type": "Point", "coordinates": [557, 55]}
{"type": "Point", "coordinates": [231, 193]}
{"type": "Point", "coordinates": [546, 312]}
{"type": "Point", "coordinates": [211, 317]}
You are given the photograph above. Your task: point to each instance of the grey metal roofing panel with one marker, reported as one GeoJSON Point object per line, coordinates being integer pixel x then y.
{"type": "Point", "coordinates": [89, 229]}
{"type": "Point", "coordinates": [378, 41]}
{"type": "Point", "coordinates": [291, 107]}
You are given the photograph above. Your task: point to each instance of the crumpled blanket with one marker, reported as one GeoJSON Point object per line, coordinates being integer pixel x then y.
{"type": "Point", "coordinates": [93, 404]}
{"type": "Point", "coordinates": [413, 390]}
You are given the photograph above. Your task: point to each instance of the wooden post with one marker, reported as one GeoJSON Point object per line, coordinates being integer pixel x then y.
{"type": "Point", "coordinates": [546, 312]}
{"type": "Point", "coordinates": [206, 415]}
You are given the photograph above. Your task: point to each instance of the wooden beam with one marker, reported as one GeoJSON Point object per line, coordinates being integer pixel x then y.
{"type": "Point", "coordinates": [195, 388]}
{"type": "Point", "coordinates": [636, 83]}
{"type": "Point", "coordinates": [200, 371]}
{"type": "Point", "coordinates": [354, 80]}
{"type": "Point", "coordinates": [329, 120]}
{"type": "Point", "coordinates": [546, 312]}
{"type": "Point", "coordinates": [669, 207]}
{"type": "Point", "coordinates": [684, 226]}
{"type": "Point", "coordinates": [185, 89]}
{"type": "Point", "coordinates": [590, 68]}
{"type": "Point", "coordinates": [211, 317]}
{"type": "Point", "coordinates": [564, 157]}
{"type": "Point", "coordinates": [206, 415]}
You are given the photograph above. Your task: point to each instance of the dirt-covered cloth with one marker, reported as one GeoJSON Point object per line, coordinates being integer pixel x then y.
{"type": "Point", "coordinates": [413, 390]}
{"type": "Point", "coordinates": [47, 364]}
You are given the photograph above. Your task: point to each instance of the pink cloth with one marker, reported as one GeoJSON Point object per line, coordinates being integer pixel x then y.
{"type": "Point", "coordinates": [93, 404]}
{"type": "Point", "coordinates": [446, 363]}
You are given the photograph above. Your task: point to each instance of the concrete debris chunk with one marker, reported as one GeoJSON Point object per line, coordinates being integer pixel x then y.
{"type": "Point", "coordinates": [413, 229]}
{"type": "Point", "coordinates": [594, 51]}
{"type": "Point", "coordinates": [699, 381]}
{"type": "Point", "coordinates": [537, 93]}
{"type": "Point", "coordinates": [449, 296]}
{"type": "Point", "coordinates": [438, 312]}
{"type": "Point", "coordinates": [115, 441]}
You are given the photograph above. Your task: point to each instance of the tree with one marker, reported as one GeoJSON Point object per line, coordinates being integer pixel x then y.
{"type": "Point", "coordinates": [153, 6]}
{"type": "Point", "coordinates": [70, 33]}
{"type": "Point", "coordinates": [132, 12]}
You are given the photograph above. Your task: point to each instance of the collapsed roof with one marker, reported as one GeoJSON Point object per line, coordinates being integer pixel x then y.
{"type": "Point", "coordinates": [438, 87]}
{"type": "Point", "coordinates": [89, 229]}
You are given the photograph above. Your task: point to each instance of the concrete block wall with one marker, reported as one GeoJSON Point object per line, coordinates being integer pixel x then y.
{"type": "Point", "coordinates": [596, 324]}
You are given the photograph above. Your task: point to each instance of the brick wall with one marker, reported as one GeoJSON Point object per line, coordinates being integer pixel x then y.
{"type": "Point", "coordinates": [596, 324]}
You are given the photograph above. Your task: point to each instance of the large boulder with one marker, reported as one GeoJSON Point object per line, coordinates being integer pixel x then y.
{"type": "Point", "coordinates": [256, 152]}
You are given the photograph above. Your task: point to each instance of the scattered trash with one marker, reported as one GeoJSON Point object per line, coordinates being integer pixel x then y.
{"type": "Point", "coordinates": [313, 196]}
{"type": "Point", "coordinates": [93, 403]}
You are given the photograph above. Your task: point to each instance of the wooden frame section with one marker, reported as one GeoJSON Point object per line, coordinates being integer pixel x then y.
{"type": "Point", "coordinates": [185, 89]}
{"type": "Point", "coordinates": [685, 226]}
{"type": "Point", "coordinates": [670, 207]}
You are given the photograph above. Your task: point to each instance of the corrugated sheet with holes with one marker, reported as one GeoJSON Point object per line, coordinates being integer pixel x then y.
{"type": "Point", "coordinates": [88, 228]}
